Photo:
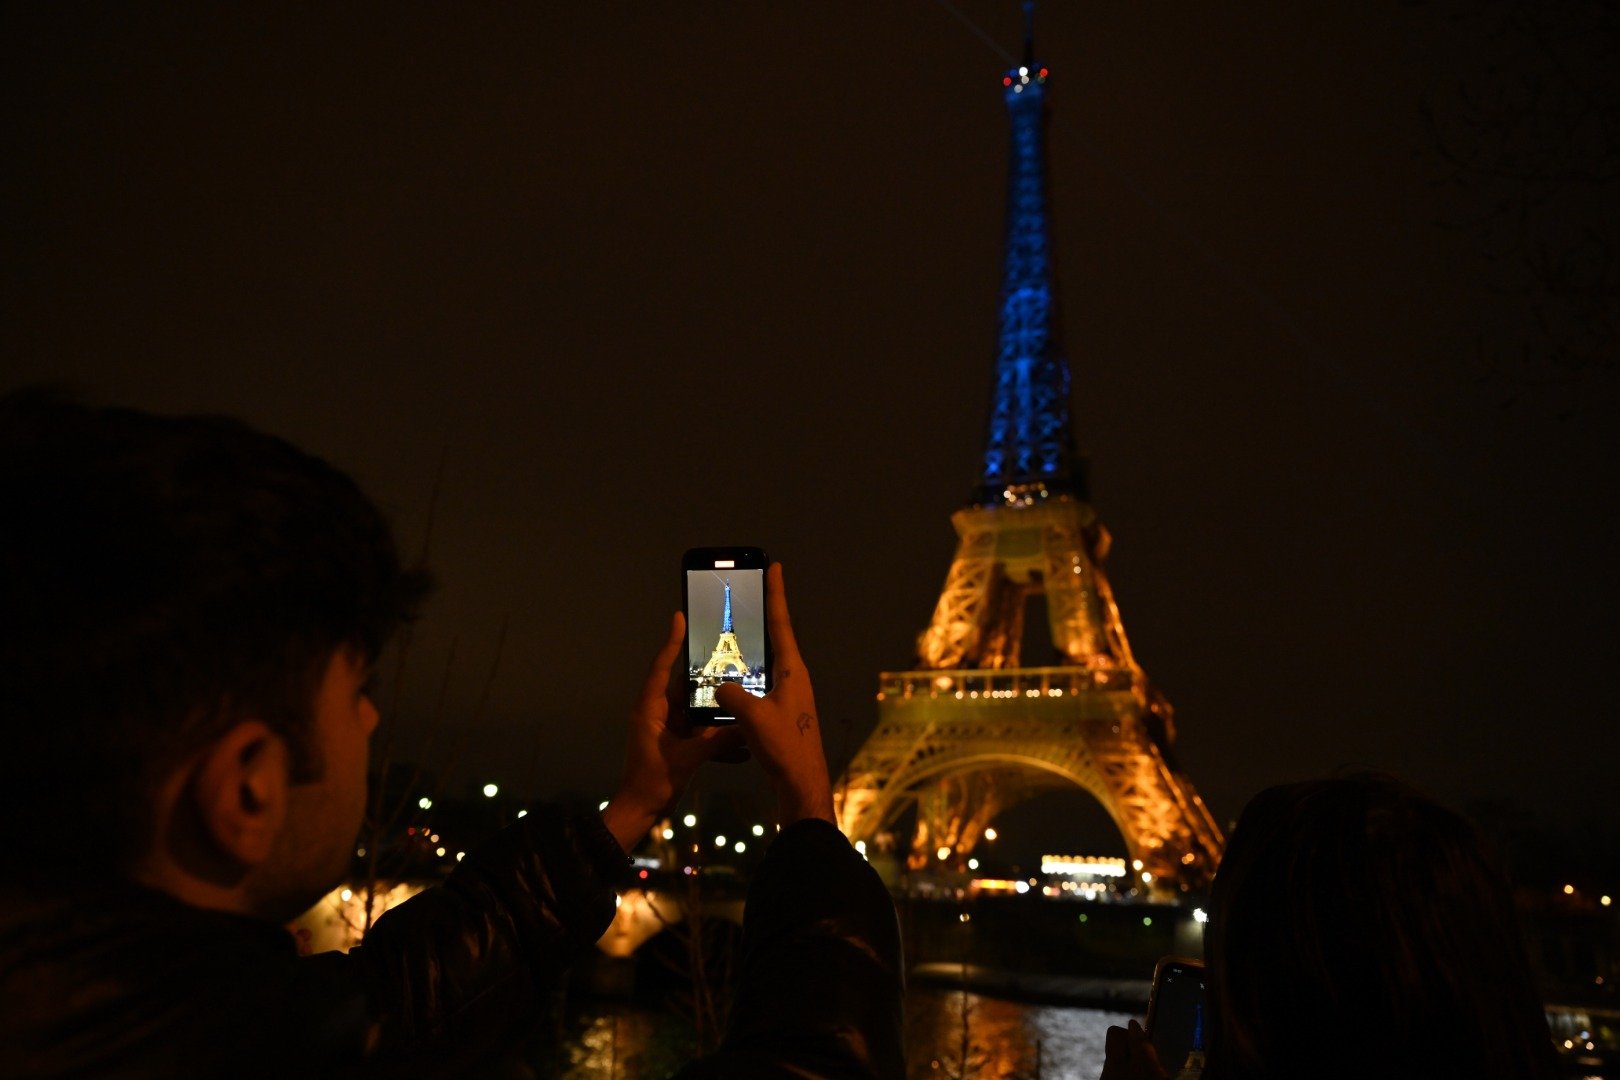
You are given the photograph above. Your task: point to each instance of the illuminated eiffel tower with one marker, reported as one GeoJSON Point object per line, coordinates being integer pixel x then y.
{"type": "Point", "coordinates": [972, 731]}
{"type": "Point", "coordinates": [727, 656]}
{"type": "Point", "coordinates": [727, 653]}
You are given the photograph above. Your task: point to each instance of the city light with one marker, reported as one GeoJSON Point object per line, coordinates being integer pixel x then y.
{"type": "Point", "coordinates": [943, 853]}
{"type": "Point", "coordinates": [720, 841]}
{"type": "Point", "coordinates": [689, 820]}
{"type": "Point", "coordinates": [759, 830]}
{"type": "Point", "coordinates": [1021, 888]}
{"type": "Point", "coordinates": [1136, 864]}
{"type": "Point", "coordinates": [668, 834]}
{"type": "Point", "coordinates": [440, 852]}
{"type": "Point", "coordinates": [1605, 900]}
{"type": "Point", "coordinates": [1082, 866]}
{"type": "Point", "coordinates": [1569, 890]}
{"type": "Point", "coordinates": [990, 834]}
{"type": "Point", "coordinates": [491, 790]}
{"type": "Point", "coordinates": [523, 813]}
{"type": "Point", "coordinates": [1147, 920]}
{"type": "Point", "coordinates": [460, 855]}
{"type": "Point", "coordinates": [602, 805]}
{"type": "Point", "coordinates": [739, 847]}
{"type": "Point", "coordinates": [860, 846]}
{"type": "Point", "coordinates": [973, 864]}
{"type": "Point", "coordinates": [1147, 878]}
{"type": "Point", "coordinates": [346, 895]}
{"type": "Point", "coordinates": [1200, 915]}
{"type": "Point", "coordinates": [425, 803]}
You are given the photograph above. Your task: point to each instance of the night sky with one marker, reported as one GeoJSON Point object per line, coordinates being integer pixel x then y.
{"type": "Point", "coordinates": [624, 279]}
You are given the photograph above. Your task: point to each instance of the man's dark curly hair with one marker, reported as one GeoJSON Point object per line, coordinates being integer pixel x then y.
{"type": "Point", "coordinates": [162, 578]}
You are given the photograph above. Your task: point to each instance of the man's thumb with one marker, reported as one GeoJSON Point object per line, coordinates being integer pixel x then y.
{"type": "Point", "coordinates": [736, 701]}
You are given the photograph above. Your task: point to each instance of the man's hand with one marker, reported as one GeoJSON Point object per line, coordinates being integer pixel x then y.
{"type": "Point", "coordinates": [1129, 1055]}
{"type": "Point", "coordinates": [663, 752]}
{"type": "Point", "coordinates": [782, 728]}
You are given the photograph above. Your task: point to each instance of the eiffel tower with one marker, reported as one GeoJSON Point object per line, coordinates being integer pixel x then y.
{"type": "Point", "coordinates": [972, 731]}
{"type": "Point", "coordinates": [727, 655]}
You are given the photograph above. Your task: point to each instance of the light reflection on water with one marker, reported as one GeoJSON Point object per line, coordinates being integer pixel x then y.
{"type": "Point", "coordinates": [1002, 1038]}
{"type": "Point", "coordinates": [627, 1043]}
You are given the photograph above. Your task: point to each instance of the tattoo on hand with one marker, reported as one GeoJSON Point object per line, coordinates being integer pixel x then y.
{"type": "Point", "coordinates": [805, 720]}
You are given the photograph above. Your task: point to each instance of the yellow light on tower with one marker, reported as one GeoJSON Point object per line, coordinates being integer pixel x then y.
{"type": "Point", "coordinates": [990, 834]}
{"type": "Point", "coordinates": [943, 853]}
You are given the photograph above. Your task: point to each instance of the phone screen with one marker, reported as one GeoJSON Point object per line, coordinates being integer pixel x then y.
{"type": "Point", "coordinates": [725, 632]}
{"type": "Point", "coordinates": [1176, 1018]}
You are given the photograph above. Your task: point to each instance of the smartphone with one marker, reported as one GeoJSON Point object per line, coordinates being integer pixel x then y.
{"type": "Point", "coordinates": [1176, 1014]}
{"type": "Point", "coordinates": [724, 601]}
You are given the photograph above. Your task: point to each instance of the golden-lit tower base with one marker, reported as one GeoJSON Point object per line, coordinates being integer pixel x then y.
{"type": "Point", "coordinates": [971, 733]}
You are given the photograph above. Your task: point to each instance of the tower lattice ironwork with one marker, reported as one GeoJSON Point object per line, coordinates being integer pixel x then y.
{"type": "Point", "coordinates": [975, 729]}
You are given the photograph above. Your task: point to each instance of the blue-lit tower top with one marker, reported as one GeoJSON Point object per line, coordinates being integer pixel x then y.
{"type": "Point", "coordinates": [725, 620]}
{"type": "Point", "coordinates": [1029, 454]}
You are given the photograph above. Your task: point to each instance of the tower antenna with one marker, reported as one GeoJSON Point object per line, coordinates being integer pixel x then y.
{"type": "Point", "coordinates": [1029, 33]}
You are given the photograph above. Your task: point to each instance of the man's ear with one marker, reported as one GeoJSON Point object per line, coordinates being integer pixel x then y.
{"type": "Point", "coordinates": [240, 788]}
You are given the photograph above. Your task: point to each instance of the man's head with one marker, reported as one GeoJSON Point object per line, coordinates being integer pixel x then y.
{"type": "Point", "coordinates": [188, 610]}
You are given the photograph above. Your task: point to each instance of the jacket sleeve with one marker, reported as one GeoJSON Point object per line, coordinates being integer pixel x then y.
{"type": "Point", "coordinates": [822, 981]}
{"type": "Point", "coordinates": [458, 963]}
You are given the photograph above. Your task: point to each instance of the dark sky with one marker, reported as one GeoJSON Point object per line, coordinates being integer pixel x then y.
{"type": "Point", "coordinates": [651, 276]}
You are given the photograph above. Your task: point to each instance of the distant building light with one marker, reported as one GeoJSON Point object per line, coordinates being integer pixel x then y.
{"type": "Point", "coordinates": [440, 852]}
{"type": "Point", "coordinates": [1200, 915]}
{"type": "Point", "coordinates": [1021, 887]}
{"type": "Point", "coordinates": [1082, 866]}
{"type": "Point", "coordinates": [1136, 864]}
{"type": "Point", "coordinates": [434, 838]}
{"type": "Point", "coordinates": [668, 834]}
{"type": "Point", "coordinates": [1147, 878]}
{"type": "Point", "coordinates": [689, 820]}
{"type": "Point", "coordinates": [739, 847]}
{"type": "Point", "coordinates": [943, 853]}
{"type": "Point", "coordinates": [491, 790]}
{"type": "Point", "coordinates": [973, 864]}
{"type": "Point", "coordinates": [759, 830]}
{"type": "Point", "coordinates": [425, 803]}
{"type": "Point", "coordinates": [720, 841]}
{"type": "Point", "coordinates": [346, 895]}
{"type": "Point", "coordinates": [994, 885]}
{"type": "Point", "coordinates": [990, 834]}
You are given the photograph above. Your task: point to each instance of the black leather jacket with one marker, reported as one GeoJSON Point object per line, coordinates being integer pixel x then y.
{"type": "Point", "coordinates": [123, 981]}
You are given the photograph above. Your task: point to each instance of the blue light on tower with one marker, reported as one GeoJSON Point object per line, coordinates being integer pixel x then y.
{"type": "Point", "coordinates": [725, 621]}
{"type": "Point", "coordinates": [1029, 453]}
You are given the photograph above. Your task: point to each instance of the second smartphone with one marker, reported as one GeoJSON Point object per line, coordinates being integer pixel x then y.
{"type": "Point", "coordinates": [1175, 1017]}
{"type": "Point", "coordinates": [723, 592]}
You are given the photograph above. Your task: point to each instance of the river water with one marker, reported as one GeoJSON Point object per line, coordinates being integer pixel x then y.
{"type": "Point", "coordinates": [1004, 1041]}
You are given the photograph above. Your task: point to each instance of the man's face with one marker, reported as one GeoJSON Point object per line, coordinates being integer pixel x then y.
{"type": "Point", "coordinates": [317, 840]}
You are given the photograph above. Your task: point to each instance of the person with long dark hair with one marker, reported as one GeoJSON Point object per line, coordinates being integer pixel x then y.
{"type": "Point", "coordinates": [1359, 929]}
